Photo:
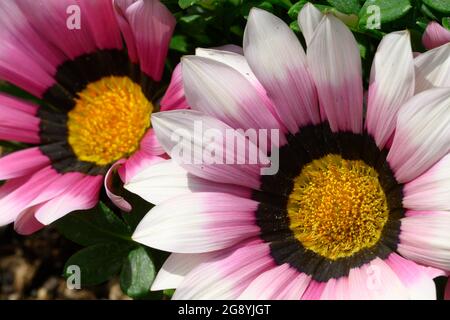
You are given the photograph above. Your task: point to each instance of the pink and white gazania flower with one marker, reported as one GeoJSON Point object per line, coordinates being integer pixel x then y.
{"type": "Point", "coordinates": [435, 35]}
{"type": "Point", "coordinates": [359, 208]}
{"type": "Point", "coordinates": [98, 94]}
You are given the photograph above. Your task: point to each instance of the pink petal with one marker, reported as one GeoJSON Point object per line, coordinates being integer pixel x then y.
{"type": "Point", "coordinates": [102, 22]}
{"type": "Point", "coordinates": [83, 195]}
{"type": "Point", "coordinates": [12, 204]}
{"type": "Point", "coordinates": [26, 223]}
{"type": "Point", "coordinates": [150, 145]}
{"type": "Point", "coordinates": [22, 163]}
{"type": "Point", "coordinates": [119, 201]}
{"type": "Point", "coordinates": [279, 283]}
{"type": "Point", "coordinates": [435, 35]}
{"type": "Point", "coordinates": [50, 18]}
{"type": "Point", "coordinates": [417, 279]}
{"type": "Point", "coordinates": [151, 25]}
{"type": "Point", "coordinates": [174, 97]}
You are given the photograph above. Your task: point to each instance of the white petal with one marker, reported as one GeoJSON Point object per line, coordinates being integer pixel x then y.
{"type": "Point", "coordinates": [430, 191]}
{"type": "Point", "coordinates": [167, 180]}
{"type": "Point", "coordinates": [391, 85]}
{"type": "Point", "coordinates": [425, 238]}
{"type": "Point", "coordinates": [177, 266]}
{"type": "Point", "coordinates": [422, 135]}
{"type": "Point", "coordinates": [433, 68]}
{"type": "Point", "coordinates": [196, 223]}
{"type": "Point", "coordinates": [181, 134]}
{"type": "Point", "coordinates": [308, 19]}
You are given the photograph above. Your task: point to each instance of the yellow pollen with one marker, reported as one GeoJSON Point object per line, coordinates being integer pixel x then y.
{"type": "Point", "coordinates": [108, 121]}
{"type": "Point", "coordinates": [337, 207]}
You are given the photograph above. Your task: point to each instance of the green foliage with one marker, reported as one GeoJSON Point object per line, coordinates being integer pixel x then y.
{"type": "Point", "coordinates": [98, 263]}
{"type": "Point", "coordinates": [443, 6]}
{"type": "Point", "coordinates": [346, 6]}
{"type": "Point", "coordinates": [138, 273]}
{"type": "Point", "coordinates": [110, 249]}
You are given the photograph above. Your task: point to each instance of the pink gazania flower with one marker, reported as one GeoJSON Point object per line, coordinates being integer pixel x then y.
{"type": "Point", "coordinates": [435, 35]}
{"type": "Point", "coordinates": [359, 208]}
{"type": "Point", "coordinates": [97, 75]}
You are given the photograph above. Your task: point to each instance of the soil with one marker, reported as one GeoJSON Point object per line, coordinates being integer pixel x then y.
{"type": "Point", "coordinates": [31, 268]}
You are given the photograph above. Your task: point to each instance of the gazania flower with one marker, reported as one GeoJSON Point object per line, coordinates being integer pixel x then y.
{"type": "Point", "coordinates": [435, 35]}
{"type": "Point", "coordinates": [97, 93]}
{"type": "Point", "coordinates": [359, 208]}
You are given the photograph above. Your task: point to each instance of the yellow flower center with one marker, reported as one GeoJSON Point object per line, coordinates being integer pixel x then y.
{"type": "Point", "coordinates": [108, 121]}
{"type": "Point", "coordinates": [337, 207]}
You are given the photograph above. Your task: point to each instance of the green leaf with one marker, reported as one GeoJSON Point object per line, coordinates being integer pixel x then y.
{"type": "Point", "coordinates": [442, 6]}
{"type": "Point", "coordinates": [189, 3]}
{"type": "Point", "coordinates": [179, 43]}
{"type": "Point", "coordinates": [296, 8]}
{"type": "Point", "coordinates": [98, 263]}
{"type": "Point", "coordinates": [294, 26]}
{"type": "Point", "coordinates": [427, 12]}
{"type": "Point", "coordinates": [138, 273]}
{"type": "Point", "coordinates": [389, 11]}
{"type": "Point", "coordinates": [282, 3]}
{"type": "Point", "coordinates": [346, 6]}
{"type": "Point", "coordinates": [94, 226]}
{"type": "Point", "coordinates": [446, 22]}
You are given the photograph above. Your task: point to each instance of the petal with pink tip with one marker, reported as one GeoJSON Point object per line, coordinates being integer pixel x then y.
{"type": "Point", "coordinates": [424, 238]}
{"type": "Point", "coordinates": [417, 279]}
{"type": "Point", "coordinates": [177, 266]}
{"type": "Point", "coordinates": [174, 97]}
{"type": "Point", "coordinates": [280, 283]}
{"type": "Point", "coordinates": [168, 180]}
{"type": "Point", "coordinates": [391, 85]}
{"type": "Point", "coordinates": [181, 134]}
{"type": "Point", "coordinates": [335, 65]}
{"type": "Point", "coordinates": [278, 60]}
{"type": "Point", "coordinates": [228, 275]}
{"type": "Point", "coordinates": [430, 191]}
{"type": "Point", "coordinates": [422, 135]}
{"type": "Point", "coordinates": [200, 222]}
{"type": "Point", "coordinates": [220, 91]}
